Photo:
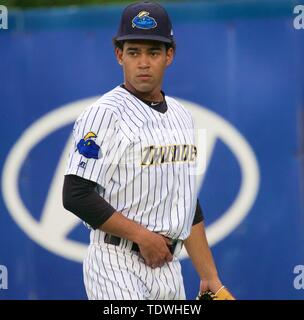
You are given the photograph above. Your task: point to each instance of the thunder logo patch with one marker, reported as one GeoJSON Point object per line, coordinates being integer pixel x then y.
{"type": "Point", "coordinates": [87, 146]}
{"type": "Point", "coordinates": [144, 21]}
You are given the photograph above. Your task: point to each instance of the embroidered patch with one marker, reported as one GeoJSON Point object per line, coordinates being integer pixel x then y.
{"type": "Point", "coordinates": [88, 147]}
{"type": "Point", "coordinates": [144, 21]}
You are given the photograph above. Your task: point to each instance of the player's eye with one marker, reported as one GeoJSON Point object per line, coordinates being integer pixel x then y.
{"type": "Point", "coordinates": [133, 53]}
{"type": "Point", "coordinates": [154, 53]}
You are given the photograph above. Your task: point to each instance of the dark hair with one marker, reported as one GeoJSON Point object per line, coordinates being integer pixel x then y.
{"type": "Point", "coordinates": [119, 45]}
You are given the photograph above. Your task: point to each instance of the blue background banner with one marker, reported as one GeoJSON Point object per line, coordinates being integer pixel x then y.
{"type": "Point", "coordinates": [243, 63]}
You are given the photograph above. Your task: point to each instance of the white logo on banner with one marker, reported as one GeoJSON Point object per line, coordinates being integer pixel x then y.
{"type": "Point", "coordinates": [55, 224]}
{"type": "Point", "coordinates": [298, 21]}
{"type": "Point", "coordinates": [3, 278]}
{"type": "Point", "coordinates": [3, 17]}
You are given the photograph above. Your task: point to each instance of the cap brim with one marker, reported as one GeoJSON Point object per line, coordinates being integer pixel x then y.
{"type": "Point", "coordinates": [144, 37]}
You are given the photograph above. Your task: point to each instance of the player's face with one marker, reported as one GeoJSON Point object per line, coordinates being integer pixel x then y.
{"type": "Point", "coordinates": [144, 64]}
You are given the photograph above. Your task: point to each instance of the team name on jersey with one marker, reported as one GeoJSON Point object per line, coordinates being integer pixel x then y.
{"type": "Point", "coordinates": [153, 155]}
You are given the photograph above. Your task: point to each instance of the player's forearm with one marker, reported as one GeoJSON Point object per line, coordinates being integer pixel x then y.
{"type": "Point", "coordinates": [119, 225]}
{"type": "Point", "coordinates": [80, 198]}
{"type": "Point", "coordinates": [199, 252]}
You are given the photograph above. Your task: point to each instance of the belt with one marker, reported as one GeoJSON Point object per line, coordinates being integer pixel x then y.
{"type": "Point", "coordinates": [110, 239]}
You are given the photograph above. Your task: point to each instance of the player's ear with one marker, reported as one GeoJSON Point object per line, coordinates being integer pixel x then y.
{"type": "Point", "coordinates": [169, 56]}
{"type": "Point", "coordinates": [118, 53]}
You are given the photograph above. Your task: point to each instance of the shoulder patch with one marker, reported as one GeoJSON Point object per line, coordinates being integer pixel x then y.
{"type": "Point", "coordinates": [88, 147]}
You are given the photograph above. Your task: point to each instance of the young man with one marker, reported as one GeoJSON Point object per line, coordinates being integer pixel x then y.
{"type": "Point", "coordinates": [130, 174]}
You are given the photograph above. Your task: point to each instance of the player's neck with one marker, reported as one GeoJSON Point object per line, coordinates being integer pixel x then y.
{"type": "Point", "coordinates": [154, 96]}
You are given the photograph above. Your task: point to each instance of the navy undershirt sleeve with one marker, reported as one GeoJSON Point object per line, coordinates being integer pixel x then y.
{"type": "Point", "coordinates": [199, 216]}
{"type": "Point", "coordinates": [81, 198]}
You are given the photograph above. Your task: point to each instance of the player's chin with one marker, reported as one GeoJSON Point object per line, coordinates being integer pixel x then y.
{"type": "Point", "coordinates": [144, 86]}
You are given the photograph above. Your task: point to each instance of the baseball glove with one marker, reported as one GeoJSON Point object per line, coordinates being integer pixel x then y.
{"type": "Point", "coordinates": [221, 294]}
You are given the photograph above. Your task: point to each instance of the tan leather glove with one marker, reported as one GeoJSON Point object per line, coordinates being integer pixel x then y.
{"type": "Point", "coordinates": [221, 294]}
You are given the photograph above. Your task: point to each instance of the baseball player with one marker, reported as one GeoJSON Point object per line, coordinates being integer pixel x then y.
{"type": "Point", "coordinates": [131, 174]}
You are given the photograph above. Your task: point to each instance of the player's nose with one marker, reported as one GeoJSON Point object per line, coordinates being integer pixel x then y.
{"type": "Point", "coordinates": [144, 61]}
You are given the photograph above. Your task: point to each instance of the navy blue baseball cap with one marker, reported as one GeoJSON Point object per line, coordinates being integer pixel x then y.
{"type": "Point", "coordinates": [145, 21]}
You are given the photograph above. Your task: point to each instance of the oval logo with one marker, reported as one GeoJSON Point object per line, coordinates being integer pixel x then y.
{"type": "Point", "coordinates": [54, 236]}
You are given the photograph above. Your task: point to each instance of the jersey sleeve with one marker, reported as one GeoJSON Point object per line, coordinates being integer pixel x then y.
{"type": "Point", "coordinates": [97, 145]}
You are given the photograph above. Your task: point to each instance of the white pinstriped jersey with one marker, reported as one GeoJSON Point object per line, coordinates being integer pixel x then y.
{"type": "Point", "coordinates": [146, 161]}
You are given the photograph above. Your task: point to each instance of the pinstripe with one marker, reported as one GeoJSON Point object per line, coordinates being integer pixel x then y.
{"type": "Point", "coordinates": [164, 271]}
{"type": "Point", "coordinates": [72, 153]}
{"type": "Point", "coordinates": [158, 287]}
{"type": "Point", "coordinates": [162, 175]}
{"type": "Point", "coordinates": [180, 223]}
{"type": "Point", "coordinates": [126, 121]}
{"type": "Point", "coordinates": [92, 276]}
{"type": "Point", "coordinates": [94, 282]}
{"type": "Point", "coordinates": [185, 139]}
{"type": "Point", "coordinates": [129, 116]}
{"type": "Point", "coordinates": [87, 274]}
{"type": "Point", "coordinates": [141, 183]}
{"type": "Point", "coordinates": [106, 171]}
{"type": "Point", "coordinates": [94, 285]}
{"type": "Point", "coordinates": [83, 134]}
{"type": "Point", "coordinates": [189, 221]}
{"type": "Point", "coordinates": [128, 273]}
{"type": "Point", "coordinates": [172, 277]}
{"type": "Point", "coordinates": [184, 175]}
{"type": "Point", "coordinates": [99, 279]}
{"type": "Point", "coordinates": [139, 110]}
{"type": "Point", "coordinates": [176, 267]}
{"type": "Point", "coordinates": [125, 193]}
{"type": "Point", "coordinates": [160, 189]}
{"type": "Point", "coordinates": [172, 195]}
{"type": "Point", "coordinates": [107, 276]}
{"type": "Point", "coordinates": [146, 276]}
{"type": "Point", "coordinates": [101, 122]}
{"type": "Point", "coordinates": [155, 184]}
{"type": "Point", "coordinates": [102, 278]}
{"type": "Point", "coordinates": [179, 109]}
{"type": "Point", "coordinates": [163, 290]}
{"type": "Point", "coordinates": [121, 129]}
{"type": "Point", "coordinates": [73, 150]}
{"type": "Point", "coordinates": [152, 195]}
{"type": "Point", "coordinates": [147, 198]}
{"type": "Point", "coordinates": [117, 198]}
{"type": "Point", "coordinates": [114, 274]}
{"type": "Point", "coordinates": [134, 270]}
{"type": "Point", "coordinates": [121, 272]}
{"type": "Point", "coordinates": [174, 184]}
{"type": "Point", "coordinates": [168, 168]}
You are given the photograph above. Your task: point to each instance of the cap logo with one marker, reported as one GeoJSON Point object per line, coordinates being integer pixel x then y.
{"type": "Point", "coordinates": [144, 21]}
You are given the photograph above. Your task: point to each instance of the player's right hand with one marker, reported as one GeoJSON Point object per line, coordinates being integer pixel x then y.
{"type": "Point", "coordinates": [154, 249]}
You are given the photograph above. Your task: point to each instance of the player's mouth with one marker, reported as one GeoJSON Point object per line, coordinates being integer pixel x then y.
{"type": "Point", "coordinates": [144, 77]}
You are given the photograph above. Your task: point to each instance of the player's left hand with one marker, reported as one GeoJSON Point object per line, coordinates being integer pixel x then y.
{"type": "Point", "coordinates": [213, 285]}
{"type": "Point", "coordinates": [213, 289]}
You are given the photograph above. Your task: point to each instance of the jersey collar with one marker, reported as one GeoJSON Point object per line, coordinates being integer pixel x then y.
{"type": "Point", "coordinates": [157, 106]}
